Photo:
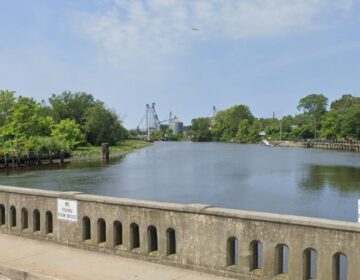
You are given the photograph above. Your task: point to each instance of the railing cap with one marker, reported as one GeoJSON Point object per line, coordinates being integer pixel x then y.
{"type": "Point", "coordinates": [192, 208]}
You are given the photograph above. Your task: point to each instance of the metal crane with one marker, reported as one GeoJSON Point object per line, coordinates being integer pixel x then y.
{"type": "Point", "coordinates": [152, 121]}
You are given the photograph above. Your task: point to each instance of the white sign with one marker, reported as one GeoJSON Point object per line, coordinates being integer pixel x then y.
{"type": "Point", "coordinates": [359, 210]}
{"type": "Point", "coordinates": [67, 210]}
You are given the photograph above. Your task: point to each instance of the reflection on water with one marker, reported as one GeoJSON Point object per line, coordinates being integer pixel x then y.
{"type": "Point", "coordinates": [75, 175]}
{"type": "Point", "coordinates": [305, 182]}
{"type": "Point", "coordinates": [340, 178]}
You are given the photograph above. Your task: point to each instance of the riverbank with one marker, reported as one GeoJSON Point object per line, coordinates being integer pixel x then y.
{"type": "Point", "coordinates": [294, 144]}
{"type": "Point", "coordinates": [94, 152]}
{"type": "Point", "coordinates": [85, 153]}
{"type": "Point", "coordinates": [321, 144]}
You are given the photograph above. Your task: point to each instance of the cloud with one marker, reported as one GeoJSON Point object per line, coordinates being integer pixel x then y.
{"type": "Point", "coordinates": [128, 30]}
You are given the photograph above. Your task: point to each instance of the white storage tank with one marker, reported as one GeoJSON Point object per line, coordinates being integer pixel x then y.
{"type": "Point", "coordinates": [176, 126]}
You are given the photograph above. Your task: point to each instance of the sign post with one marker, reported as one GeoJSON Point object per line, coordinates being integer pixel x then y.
{"type": "Point", "coordinates": [359, 210]}
{"type": "Point", "coordinates": [67, 210]}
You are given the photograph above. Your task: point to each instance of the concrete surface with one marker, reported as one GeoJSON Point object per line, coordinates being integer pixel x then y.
{"type": "Point", "coordinates": [60, 262]}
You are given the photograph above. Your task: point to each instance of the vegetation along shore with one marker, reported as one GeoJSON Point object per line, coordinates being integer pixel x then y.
{"type": "Point", "coordinates": [66, 125]}
{"type": "Point", "coordinates": [120, 149]}
{"type": "Point", "coordinates": [340, 121]}
{"type": "Point", "coordinates": [74, 124]}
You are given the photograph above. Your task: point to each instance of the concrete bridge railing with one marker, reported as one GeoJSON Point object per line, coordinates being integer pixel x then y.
{"type": "Point", "coordinates": [240, 244]}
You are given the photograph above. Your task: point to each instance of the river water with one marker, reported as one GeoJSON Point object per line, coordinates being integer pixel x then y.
{"type": "Point", "coordinates": [296, 181]}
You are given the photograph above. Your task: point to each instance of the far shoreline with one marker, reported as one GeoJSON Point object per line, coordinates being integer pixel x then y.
{"type": "Point", "coordinates": [94, 153]}
{"type": "Point", "coordinates": [85, 153]}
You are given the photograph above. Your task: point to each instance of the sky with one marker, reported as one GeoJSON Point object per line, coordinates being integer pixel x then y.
{"type": "Point", "coordinates": [185, 55]}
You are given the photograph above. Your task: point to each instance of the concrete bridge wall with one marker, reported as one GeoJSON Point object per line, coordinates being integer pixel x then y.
{"type": "Point", "coordinates": [201, 237]}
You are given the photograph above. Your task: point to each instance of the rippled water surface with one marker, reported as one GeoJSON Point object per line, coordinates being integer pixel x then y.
{"type": "Point", "coordinates": [306, 182]}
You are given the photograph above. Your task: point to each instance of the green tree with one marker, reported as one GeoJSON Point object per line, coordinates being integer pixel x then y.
{"type": "Point", "coordinates": [227, 122]}
{"type": "Point", "coordinates": [341, 120]}
{"type": "Point", "coordinates": [315, 106]}
{"type": "Point", "coordinates": [25, 120]}
{"type": "Point", "coordinates": [345, 102]}
{"type": "Point", "coordinates": [69, 105]}
{"type": "Point", "coordinates": [243, 132]}
{"type": "Point", "coordinates": [273, 129]}
{"type": "Point", "coordinates": [47, 145]}
{"type": "Point", "coordinates": [350, 124]}
{"type": "Point", "coordinates": [254, 131]}
{"type": "Point", "coordinates": [303, 132]}
{"type": "Point", "coordinates": [7, 100]}
{"type": "Point", "coordinates": [102, 125]}
{"type": "Point", "coordinates": [201, 130]}
{"type": "Point", "coordinates": [69, 131]}
{"type": "Point", "coordinates": [13, 147]}
{"type": "Point", "coordinates": [331, 125]}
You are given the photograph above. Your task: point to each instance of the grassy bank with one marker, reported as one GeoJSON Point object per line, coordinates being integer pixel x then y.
{"type": "Point", "coordinates": [121, 148]}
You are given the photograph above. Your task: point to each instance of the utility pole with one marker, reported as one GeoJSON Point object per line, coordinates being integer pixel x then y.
{"type": "Point", "coordinates": [147, 122]}
{"type": "Point", "coordinates": [214, 111]}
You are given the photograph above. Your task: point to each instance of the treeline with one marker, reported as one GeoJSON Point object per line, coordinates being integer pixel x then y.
{"type": "Point", "coordinates": [316, 120]}
{"type": "Point", "coordinates": [61, 124]}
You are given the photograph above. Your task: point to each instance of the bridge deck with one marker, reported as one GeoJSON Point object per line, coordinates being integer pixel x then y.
{"type": "Point", "coordinates": [52, 261]}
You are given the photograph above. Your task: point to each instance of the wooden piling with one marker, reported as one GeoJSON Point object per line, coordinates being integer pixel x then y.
{"type": "Point", "coordinates": [62, 155]}
{"type": "Point", "coordinates": [105, 152]}
{"type": "Point", "coordinates": [6, 161]}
